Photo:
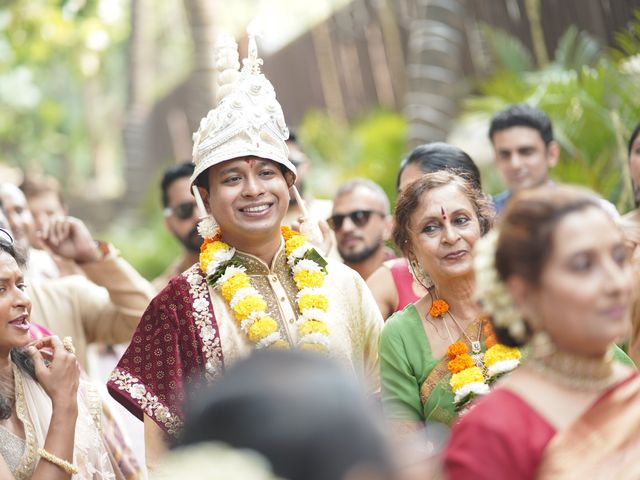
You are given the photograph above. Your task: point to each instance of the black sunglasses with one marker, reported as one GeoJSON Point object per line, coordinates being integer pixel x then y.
{"type": "Point", "coordinates": [182, 210]}
{"type": "Point", "coordinates": [359, 218]}
{"type": "Point", "coordinates": [5, 237]}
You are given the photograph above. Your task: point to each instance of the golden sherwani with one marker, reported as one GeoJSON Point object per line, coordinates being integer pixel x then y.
{"type": "Point", "coordinates": [189, 334]}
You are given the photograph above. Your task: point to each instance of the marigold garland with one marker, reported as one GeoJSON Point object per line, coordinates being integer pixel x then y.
{"type": "Point", "coordinates": [469, 379]}
{"type": "Point", "coordinates": [438, 308]}
{"type": "Point", "coordinates": [224, 269]}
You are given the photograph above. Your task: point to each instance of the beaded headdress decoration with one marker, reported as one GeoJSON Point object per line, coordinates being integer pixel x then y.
{"type": "Point", "coordinates": [248, 120]}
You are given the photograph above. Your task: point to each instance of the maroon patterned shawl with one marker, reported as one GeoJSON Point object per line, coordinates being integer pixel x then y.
{"type": "Point", "coordinates": [175, 349]}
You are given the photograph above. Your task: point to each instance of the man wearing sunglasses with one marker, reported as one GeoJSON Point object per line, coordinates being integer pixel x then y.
{"type": "Point", "coordinates": [180, 218]}
{"type": "Point", "coordinates": [362, 224]}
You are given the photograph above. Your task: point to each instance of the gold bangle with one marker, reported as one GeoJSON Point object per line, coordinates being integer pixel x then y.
{"type": "Point", "coordinates": [69, 468]}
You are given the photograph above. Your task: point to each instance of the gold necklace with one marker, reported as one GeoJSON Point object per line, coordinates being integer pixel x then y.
{"type": "Point", "coordinates": [475, 344]}
{"type": "Point", "coordinates": [476, 349]}
{"type": "Point", "coordinates": [575, 371]}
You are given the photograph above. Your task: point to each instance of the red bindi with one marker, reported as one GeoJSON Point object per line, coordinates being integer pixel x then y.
{"type": "Point", "coordinates": [444, 215]}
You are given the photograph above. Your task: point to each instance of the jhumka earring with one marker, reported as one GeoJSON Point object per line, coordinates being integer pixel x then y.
{"type": "Point", "coordinates": [207, 226]}
{"type": "Point", "coordinates": [420, 275]}
{"type": "Point", "coordinates": [541, 345]}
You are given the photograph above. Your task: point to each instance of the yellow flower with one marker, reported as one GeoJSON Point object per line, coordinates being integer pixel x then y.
{"type": "Point", "coordinates": [313, 326]}
{"type": "Point", "coordinates": [294, 242]}
{"type": "Point", "coordinates": [308, 278]}
{"type": "Point", "coordinates": [205, 258]}
{"type": "Point", "coordinates": [313, 347]}
{"type": "Point", "coordinates": [262, 328]}
{"type": "Point", "coordinates": [233, 284]}
{"type": "Point", "coordinates": [313, 301]}
{"type": "Point", "coordinates": [470, 375]}
{"type": "Point", "coordinates": [249, 304]}
{"type": "Point", "coordinates": [279, 345]}
{"type": "Point", "coordinates": [208, 251]}
{"type": "Point", "coordinates": [500, 352]}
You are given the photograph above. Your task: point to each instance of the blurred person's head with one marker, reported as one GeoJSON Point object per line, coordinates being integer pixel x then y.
{"type": "Point", "coordinates": [180, 209]}
{"type": "Point", "coordinates": [4, 222]}
{"type": "Point", "coordinates": [564, 261]}
{"type": "Point", "coordinates": [361, 220]}
{"type": "Point", "coordinates": [299, 410]}
{"type": "Point", "coordinates": [525, 151]}
{"type": "Point", "coordinates": [633, 151]}
{"type": "Point", "coordinates": [43, 198]}
{"type": "Point", "coordinates": [433, 157]}
{"type": "Point", "coordinates": [212, 461]}
{"type": "Point", "coordinates": [18, 213]}
{"type": "Point", "coordinates": [438, 219]}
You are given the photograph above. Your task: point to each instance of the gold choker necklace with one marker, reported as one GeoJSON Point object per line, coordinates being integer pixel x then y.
{"type": "Point", "coordinates": [575, 371]}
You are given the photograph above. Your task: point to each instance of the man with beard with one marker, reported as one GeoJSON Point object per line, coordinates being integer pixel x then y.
{"type": "Point", "coordinates": [362, 223]}
{"type": "Point", "coordinates": [181, 219]}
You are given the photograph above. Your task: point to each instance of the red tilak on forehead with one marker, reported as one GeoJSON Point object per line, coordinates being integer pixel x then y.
{"type": "Point", "coordinates": [251, 161]}
{"type": "Point", "coordinates": [444, 215]}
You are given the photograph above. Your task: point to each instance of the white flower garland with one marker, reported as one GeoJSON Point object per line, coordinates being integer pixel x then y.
{"type": "Point", "coordinates": [491, 290]}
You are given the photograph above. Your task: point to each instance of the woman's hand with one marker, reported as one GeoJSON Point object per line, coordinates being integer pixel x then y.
{"type": "Point", "coordinates": [60, 374]}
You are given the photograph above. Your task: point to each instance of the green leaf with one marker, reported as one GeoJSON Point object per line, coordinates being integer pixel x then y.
{"type": "Point", "coordinates": [314, 256]}
{"type": "Point", "coordinates": [213, 278]}
{"type": "Point", "coordinates": [576, 48]}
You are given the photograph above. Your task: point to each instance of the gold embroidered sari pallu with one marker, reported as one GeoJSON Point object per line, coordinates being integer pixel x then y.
{"type": "Point", "coordinates": [33, 408]}
{"type": "Point", "coordinates": [603, 443]}
{"type": "Point", "coordinates": [436, 395]}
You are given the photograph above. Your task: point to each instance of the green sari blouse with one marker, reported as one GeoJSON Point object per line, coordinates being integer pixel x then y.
{"type": "Point", "coordinates": [406, 361]}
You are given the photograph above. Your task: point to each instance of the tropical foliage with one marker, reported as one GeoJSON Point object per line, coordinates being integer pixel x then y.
{"type": "Point", "coordinates": [372, 148]}
{"type": "Point", "coordinates": [58, 83]}
{"type": "Point", "coordinates": [593, 103]}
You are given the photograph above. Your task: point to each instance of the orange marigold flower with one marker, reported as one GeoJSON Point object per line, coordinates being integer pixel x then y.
{"type": "Point", "coordinates": [455, 349]}
{"type": "Point", "coordinates": [460, 363]}
{"type": "Point", "coordinates": [438, 308]}
{"type": "Point", "coordinates": [287, 232]}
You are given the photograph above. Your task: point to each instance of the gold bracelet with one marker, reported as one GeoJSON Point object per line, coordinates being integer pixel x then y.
{"type": "Point", "coordinates": [69, 468]}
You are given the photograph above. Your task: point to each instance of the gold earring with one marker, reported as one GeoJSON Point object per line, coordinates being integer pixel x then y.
{"type": "Point", "coordinates": [541, 345]}
{"type": "Point", "coordinates": [420, 275]}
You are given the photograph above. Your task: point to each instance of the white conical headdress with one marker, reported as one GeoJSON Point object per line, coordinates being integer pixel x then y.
{"type": "Point", "coordinates": [248, 120]}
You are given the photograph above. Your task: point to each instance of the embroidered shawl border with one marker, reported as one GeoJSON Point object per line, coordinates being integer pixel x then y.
{"type": "Point", "coordinates": [211, 347]}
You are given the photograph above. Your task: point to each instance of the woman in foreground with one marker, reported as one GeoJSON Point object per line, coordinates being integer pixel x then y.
{"type": "Point", "coordinates": [557, 278]}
